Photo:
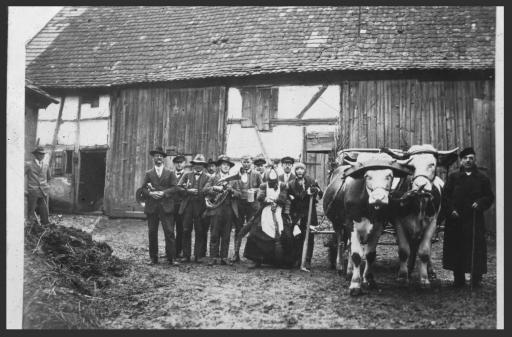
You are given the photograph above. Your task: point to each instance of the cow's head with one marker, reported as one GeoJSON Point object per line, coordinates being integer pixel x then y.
{"type": "Point", "coordinates": [423, 160]}
{"type": "Point", "coordinates": [378, 173]}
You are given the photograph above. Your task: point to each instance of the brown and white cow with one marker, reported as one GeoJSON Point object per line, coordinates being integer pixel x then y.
{"type": "Point", "coordinates": [415, 208]}
{"type": "Point", "coordinates": [356, 201]}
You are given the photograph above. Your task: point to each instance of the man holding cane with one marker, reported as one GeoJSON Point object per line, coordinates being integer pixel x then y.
{"type": "Point", "coordinates": [467, 195]}
{"type": "Point", "coordinates": [300, 190]}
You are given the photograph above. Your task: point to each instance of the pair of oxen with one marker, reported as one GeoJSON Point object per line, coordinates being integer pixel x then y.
{"type": "Point", "coordinates": [372, 188]}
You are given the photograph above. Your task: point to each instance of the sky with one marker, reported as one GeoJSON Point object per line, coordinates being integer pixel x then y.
{"type": "Point", "coordinates": [27, 21]}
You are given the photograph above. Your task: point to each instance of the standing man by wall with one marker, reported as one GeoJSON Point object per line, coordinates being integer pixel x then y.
{"type": "Point", "coordinates": [158, 188]}
{"type": "Point", "coordinates": [224, 212]}
{"type": "Point", "coordinates": [192, 208]}
{"type": "Point", "coordinates": [467, 195]}
{"type": "Point", "coordinates": [248, 185]}
{"type": "Point", "coordinates": [179, 163]}
{"type": "Point", "coordinates": [37, 175]}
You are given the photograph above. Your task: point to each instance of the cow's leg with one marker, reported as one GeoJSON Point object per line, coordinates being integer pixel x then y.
{"type": "Point", "coordinates": [404, 251]}
{"type": "Point", "coordinates": [339, 256]}
{"type": "Point", "coordinates": [356, 252]}
{"type": "Point", "coordinates": [424, 251]}
{"type": "Point", "coordinates": [371, 254]}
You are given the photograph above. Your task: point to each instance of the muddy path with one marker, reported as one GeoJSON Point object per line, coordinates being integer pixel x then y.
{"type": "Point", "coordinates": [199, 296]}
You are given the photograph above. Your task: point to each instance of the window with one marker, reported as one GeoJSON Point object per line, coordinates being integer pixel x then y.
{"type": "Point", "coordinates": [58, 163]}
{"type": "Point", "coordinates": [69, 161]}
{"type": "Point", "coordinates": [93, 100]}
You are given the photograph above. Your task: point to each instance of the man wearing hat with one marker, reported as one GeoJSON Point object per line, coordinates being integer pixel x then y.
{"type": "Point", "coordinates": [211, 168]}
{"type": "Point", "coordinates": [466, 196]}
{"type": "Point", "coordinates": [37, 191]}
{"type": "Point", "coordinates": [248, 185]}
{"type": "Point", "coordinates": [300, 190]}
{"type": "Point", "coordinates": [287, 163]}
{"type": "Point", "coordinates": [179, 162]}
{"type": "Point", "coordinates": [159, 186]}
{"type": "Point", "coordinates": [224, 212]}
{"type": "Point", "coordinates": [259, 165]}
{"type": "Point", "coordinates": [192, 208]}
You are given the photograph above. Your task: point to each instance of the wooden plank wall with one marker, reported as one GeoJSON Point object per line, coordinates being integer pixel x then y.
{"type": "Point", "coordinates": [191, 119]}
{"type": "Point", "coordinates": [398, 113]}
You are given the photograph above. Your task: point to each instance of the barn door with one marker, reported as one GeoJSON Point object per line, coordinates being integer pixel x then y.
{"type": "Point", "coordinates": [483, 143]}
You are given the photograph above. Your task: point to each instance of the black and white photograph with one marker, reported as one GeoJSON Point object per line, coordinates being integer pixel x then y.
{"type": "Point", "coordinates": [255, 167]}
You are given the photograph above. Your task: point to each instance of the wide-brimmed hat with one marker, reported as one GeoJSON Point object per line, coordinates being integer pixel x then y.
{"type": "Point", "coordinates": [39, 149]}
{"type": "Point", "coordinates": [359, 169]}
{"type": "Point", "coordinates": [158, 150]}
{"type": "Point", "coordinates": [179, 158]}
{"type": "Point", "coordinates": [466, 151]}
{"type": "Point", "coordinates": [225, 158]}
{"type": "Point", "coordinates": [287, 159]}
{"type": "Point", "coordinates": [199, 159]}
{"type": "Point", "coordinates": [259, 160]}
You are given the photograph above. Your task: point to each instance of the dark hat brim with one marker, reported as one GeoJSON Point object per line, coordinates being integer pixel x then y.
{"type": "Point", "coordinates": [196, 162]}
{"type": "Point", "coordinates": [38, 151]}
{"type": "Point", "coordinates": [220, 161]}
{"type": "Point", "coordinates": [179, 158]}
{"type": "Point", "coordinates": [153, 152]}
{"type": "Point", "coordinates": [287, 160]}
{"type": "Point", "coordinates": [260, 162]}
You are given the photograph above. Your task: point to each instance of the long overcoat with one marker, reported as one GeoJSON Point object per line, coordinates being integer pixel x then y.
{"type": "Point", "coordinates": [461, 191]}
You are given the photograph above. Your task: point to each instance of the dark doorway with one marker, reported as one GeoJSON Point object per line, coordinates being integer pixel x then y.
{"type": "Point", "coordinates": [92, 180]}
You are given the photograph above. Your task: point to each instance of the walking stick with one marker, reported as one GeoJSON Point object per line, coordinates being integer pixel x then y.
{"type": "Point", "coordinates": [473, 251]}
{"type": "Point", "coordinates": [306, 239]}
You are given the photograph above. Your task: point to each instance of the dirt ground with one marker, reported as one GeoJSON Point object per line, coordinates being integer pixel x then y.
{"type": "Point", "coordinates": [199, 296]}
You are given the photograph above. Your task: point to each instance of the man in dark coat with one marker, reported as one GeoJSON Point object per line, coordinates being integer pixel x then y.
{"type": "Point", "coordinates": [249, 184]}
{"type": "Point", "coordinates": [158, 189]}
{"type": "Point", "coordinates": [224, 214]}
{"type": "Point", "coordinates": [37, 189]}
{"type": "Point", "coordinates": [301, 189]}
{"type": "Point", "coordinates": [192, 208]}
{"type": "Point", "coordinates": [467, 195]}
{"type": "Point", "coordinates": [259, 165]}
{"type": "Point", "coordinates": [179, 162]}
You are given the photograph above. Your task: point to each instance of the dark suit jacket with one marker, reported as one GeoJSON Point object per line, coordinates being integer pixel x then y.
{"type": "Point", "coordinates": [233, 199]}
{"type": "Point", "coordinates": [36, 178]}
{"type": "Point", "coordinates": [188, 180]}
{"type": "Point", "coordinates": [300, 203]}
{"type": "Point", "coordinates": [254, 181]}
{"type": "Point", "coordinates": [166, 183]}
{"type": "Point", "coordinates": [281, 177]}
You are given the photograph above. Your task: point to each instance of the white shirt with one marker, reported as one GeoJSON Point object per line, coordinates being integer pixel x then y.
{"type": "Point", "coordinates": [39, 163]}
{"type": "Point", "coordinates": [222, 175]}
{"type": "Point", "coordinates": [179, 173]}
{"type": "Point", "coordinates": [159, 170]}
{"type": "Point", "coordinates": [287, 177]}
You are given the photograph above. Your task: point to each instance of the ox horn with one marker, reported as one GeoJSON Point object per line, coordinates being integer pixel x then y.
{"type": "Point", "coordinates": [446, 158]}
{"type": "Point", "coordinates": [393, 154]}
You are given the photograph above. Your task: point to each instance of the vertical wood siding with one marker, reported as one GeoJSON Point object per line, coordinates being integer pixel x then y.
{"type": "Point", "coordinates": [191, 119]}
{"type": "Point", "coordinates": [399, 113]}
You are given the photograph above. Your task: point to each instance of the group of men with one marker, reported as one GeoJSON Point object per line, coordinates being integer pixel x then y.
{"type": "Point", "coordinates": [210, 198]}
{"type": "Point", "coordinates": [250, 200]}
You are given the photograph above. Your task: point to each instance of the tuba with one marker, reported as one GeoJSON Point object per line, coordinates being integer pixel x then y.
{"type": "Point", "coordinates": [215, 201]}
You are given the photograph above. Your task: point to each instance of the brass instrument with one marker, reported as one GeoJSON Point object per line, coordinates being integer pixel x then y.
{"type": "Point", "coordinates": [215, 201]}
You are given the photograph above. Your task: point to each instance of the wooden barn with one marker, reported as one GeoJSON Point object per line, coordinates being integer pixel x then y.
{"type": "Point", "coordinates": [299, 81]}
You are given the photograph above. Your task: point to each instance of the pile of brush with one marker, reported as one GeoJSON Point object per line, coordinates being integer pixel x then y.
{"type": "Point", "coordinates": [65, 271]}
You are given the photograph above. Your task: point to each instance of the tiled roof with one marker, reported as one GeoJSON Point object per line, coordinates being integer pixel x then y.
{"type": "Point", "coordinates": [43, 95]}
{"type": "Point", "coordinates": [104, 46]}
